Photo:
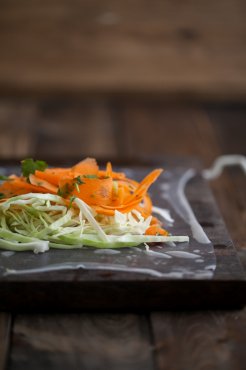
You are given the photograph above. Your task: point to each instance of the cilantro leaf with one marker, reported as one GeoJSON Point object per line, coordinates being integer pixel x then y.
{"type": "Point", "coordinates": [29, 166]}
{"type": "Point", "coordinates": [78, 180]}
{"type": "Point", "coordinates": [71, 201]}
{"type": "Point", "coordinates": [2, 195]}
{"type": "Point", "coordinates": [60, 192]}
{"type": "Point", "coordinates": [65, 190]}
{"type": "Point", "coordinates": [77, 187]}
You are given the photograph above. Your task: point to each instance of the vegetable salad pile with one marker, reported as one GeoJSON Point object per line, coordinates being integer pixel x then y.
{"type": "Point", "coordinates": [72, 207]}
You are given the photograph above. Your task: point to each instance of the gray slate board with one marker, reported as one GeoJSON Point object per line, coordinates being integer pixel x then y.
{"type": "Point", "coordinates": [179, 282]}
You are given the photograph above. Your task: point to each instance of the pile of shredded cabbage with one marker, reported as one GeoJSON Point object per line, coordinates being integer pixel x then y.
{"type": "Point", "coordinates": [38, 222]}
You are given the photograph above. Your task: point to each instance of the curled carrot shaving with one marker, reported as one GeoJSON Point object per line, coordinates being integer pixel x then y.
{"type": "Point", "coordinates": [93, 191]}
{"type": "Point", "coordinates": [86, 167]}
{"type": "Point", "coordinates": [156, 230]}
{"type": "Point", "coordinates": [34, 180]}
{"type": "Point", "coordinates": [19, 186]}
{"type": "Point", "coordinates": [109, 170]}
{"type": "Point", "coordinates": [53, 175]}
{"type": "Point", "coordinates": [104, 190]}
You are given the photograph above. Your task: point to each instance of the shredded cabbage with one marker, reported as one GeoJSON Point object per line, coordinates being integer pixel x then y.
{"type": "Point", "coordinates": [38, 222]}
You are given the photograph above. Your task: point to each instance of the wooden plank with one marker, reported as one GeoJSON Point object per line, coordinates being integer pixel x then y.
{"type": "Point", "coordinates": [56, 128]}
{"type": "Point", "coordinates": [155, 129]}
{"type": "Point", "coordinates": [88, 342]}
{"type": "Point", "coordinates": [5, 327]}
{"type": "Point", "coordinates": [75, 129]}
{"type": "Point", "coordinates": [17, 122]}
{"type": "Point", "coordinates": [200, 340]}
{"type": "Point", "coordinates": [124, 47]}
{"type": "Point", "coordinates": [229, 127]}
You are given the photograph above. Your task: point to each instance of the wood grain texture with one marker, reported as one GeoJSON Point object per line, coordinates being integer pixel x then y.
{"type": "Point", "coordinates": [75, 129]}
{"type": "Point", "coordinates": [5, 327]}
{"type": "Point", "coordinates": [17, 124]}
{"type": "Point", "coordinates": [192, 50]}
{"type": "Point", "coordinates": [154, 129]}
{"type": "Point", "coordinates": [200, 340]}
{"type": "Point", "coordinates": [88, 342]}
{"type": "Point", "coordinates": [56, 128]}
{"type": "Point", "coordinates": [229, 124]}
{"type": "Point", "coordinates": [69, 128]}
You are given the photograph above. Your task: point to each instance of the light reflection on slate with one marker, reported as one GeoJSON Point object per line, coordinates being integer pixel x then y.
{"type": "Point", "coordinates": [183, 260]}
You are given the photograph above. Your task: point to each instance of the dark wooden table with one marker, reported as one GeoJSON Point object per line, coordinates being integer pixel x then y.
{"type": "Point", "coordinates": [187, 50]}
{"type": "Point", "coordinates": [129, 128]}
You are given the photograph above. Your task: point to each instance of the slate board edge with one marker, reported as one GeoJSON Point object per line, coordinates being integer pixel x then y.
{"type": "Point", "coordinates": [219, 235]}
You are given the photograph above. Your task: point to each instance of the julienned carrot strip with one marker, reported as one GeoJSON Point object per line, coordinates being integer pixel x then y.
{"type": "Point", "coordinates": [155, 221]}
{"type": "Point", "coordinates": [19, 186]}
{"type": "Point", "coordinates": [86, 167]}
{"type": "Point", "coordinates": [34, 180]}
{"type": "Point", "coordinates": [145, 184]}
{"type": "Point", "coordinates": [53, 175]}
{"type": "Point", "coordinates": [146, 207]}
{"type": "Point", "coordinates": [156, 230]}
{"type": "Point", "coordinates": [95, 191]}
{"type": "Point", "coordinates": [110, 210]}
{"type": "Point", "coordinates": [137, 196]}
{"type": "Point", "coordinates": [114, 175]}
{"type": "Point", "coordinates": [109, 170]}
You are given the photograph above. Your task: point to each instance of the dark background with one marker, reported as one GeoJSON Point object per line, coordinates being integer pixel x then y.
{"type": "Point", "coordinates": [126, 79]}
{"type": "Point", "coordinates": [122, 78]}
